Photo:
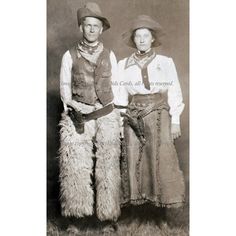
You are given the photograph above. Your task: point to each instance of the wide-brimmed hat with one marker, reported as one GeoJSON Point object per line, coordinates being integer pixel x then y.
{"type": "Point", "coordinates": [91, 9]}
{"type": "Point", "coordinates": [143, 21]}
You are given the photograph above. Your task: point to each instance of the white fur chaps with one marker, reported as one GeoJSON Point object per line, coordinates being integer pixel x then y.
{"type": "Point", "coordinates": [78, 196]}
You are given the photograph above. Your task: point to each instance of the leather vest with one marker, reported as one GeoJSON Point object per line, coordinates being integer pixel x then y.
{"type": "Point", "coordinates": [90, 81]}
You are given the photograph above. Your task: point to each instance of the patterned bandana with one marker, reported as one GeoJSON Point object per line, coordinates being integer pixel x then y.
{"type": "Point", "coordinates": [90, 53]}
{"type": "Point", "coordinates": [141, 59]}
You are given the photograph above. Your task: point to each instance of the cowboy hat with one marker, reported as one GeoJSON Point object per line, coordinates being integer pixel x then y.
{"type": "Point", "coordinates": [91, 9]}
{"type": "Point", "coordinates": [143, 21]}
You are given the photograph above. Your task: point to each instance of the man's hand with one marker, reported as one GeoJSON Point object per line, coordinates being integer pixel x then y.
{"type": "Point", "coordinates": [175, 131]}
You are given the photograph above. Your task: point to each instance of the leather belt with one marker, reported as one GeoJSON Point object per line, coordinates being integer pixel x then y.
{"type": "Point", "coordinates": [78, 118]}
{"type": "Point", "coordinates": [98, 113]}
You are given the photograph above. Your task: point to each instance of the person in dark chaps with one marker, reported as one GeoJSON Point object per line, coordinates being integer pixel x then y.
{"type": "Point", "coordinates": [150, 89]}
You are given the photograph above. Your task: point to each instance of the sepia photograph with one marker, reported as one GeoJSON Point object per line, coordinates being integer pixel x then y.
{"type": "Point", "coordinates": [118, 117]}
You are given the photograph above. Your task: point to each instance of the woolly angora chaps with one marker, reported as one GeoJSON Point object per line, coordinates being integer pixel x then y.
{"type": "Point", "coordinates": [77, 193]}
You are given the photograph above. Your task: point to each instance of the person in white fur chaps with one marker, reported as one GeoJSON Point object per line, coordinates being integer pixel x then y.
{"type": "Point", "coordinates": [90, 125]}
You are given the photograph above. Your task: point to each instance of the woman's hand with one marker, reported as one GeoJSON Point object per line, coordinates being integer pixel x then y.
{"type": "Point", "coordinates": [175, 131]}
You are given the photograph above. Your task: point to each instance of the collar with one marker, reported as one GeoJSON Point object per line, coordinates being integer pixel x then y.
{"type": "Point", "coordinates": [142, 60]}
{"type": "Point", "coordinates": [141, 55]}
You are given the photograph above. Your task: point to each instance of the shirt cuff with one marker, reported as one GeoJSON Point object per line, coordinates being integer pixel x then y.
{"type": "Point", "coordinates": [65, 107]}
{"type": "Point", "coordinates": [175, 119]}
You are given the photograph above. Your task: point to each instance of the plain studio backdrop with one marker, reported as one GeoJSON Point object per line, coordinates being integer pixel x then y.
{"type": "Point", "coordinates": [23, 130]}
{"type": "Point", "coordinates": [63, 33]}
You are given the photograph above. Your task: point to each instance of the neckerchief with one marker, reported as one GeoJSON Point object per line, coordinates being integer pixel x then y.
{"type": "Point", "coordinates": [141, 59]}
{"type": "Point", "coordinates": [90, 53]}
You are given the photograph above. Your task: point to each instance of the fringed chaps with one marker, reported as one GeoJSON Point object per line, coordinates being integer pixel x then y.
{"type": "Point", "coordinates": [78, 196]}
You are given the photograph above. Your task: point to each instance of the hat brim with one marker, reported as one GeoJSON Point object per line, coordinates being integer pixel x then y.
{"type": "Point", "coordinates": [84, 12]}
{"type": "Point", "coordinates": [156, 29]}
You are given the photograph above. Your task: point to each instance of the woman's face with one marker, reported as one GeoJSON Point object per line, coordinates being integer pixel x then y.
{"type": "Point", "coordinates": [143, 39]}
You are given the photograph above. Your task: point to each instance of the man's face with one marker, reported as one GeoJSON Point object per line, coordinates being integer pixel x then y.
{"type": "Point", "coordinates": [143, 39]}
{"type": "Point", "coordinates": [91, 29]}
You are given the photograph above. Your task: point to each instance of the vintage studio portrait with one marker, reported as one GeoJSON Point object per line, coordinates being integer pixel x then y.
{"type": "Point", "coordinates": [118, 117]}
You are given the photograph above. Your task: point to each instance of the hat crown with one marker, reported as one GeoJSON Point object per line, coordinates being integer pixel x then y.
{"type": "Point", "coordinates": [144, 17]}
{"type": "Point", "coordinates": [144, 21]}
{"type": "Point", "coordinates": [93, 7]}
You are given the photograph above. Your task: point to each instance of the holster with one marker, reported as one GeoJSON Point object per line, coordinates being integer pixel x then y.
{"type": "Point", "coordinates": [77, 118]}
{"type": "Point", "coordinates": [134, 117]}
{"type": "Point", "coordinates": [137, 124]}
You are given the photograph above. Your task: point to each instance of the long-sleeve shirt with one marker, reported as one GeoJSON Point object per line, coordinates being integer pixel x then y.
{"type": "Point", "coordinates": [162, 78]}
{"type": "Point", "coordinates": [65, 77]}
